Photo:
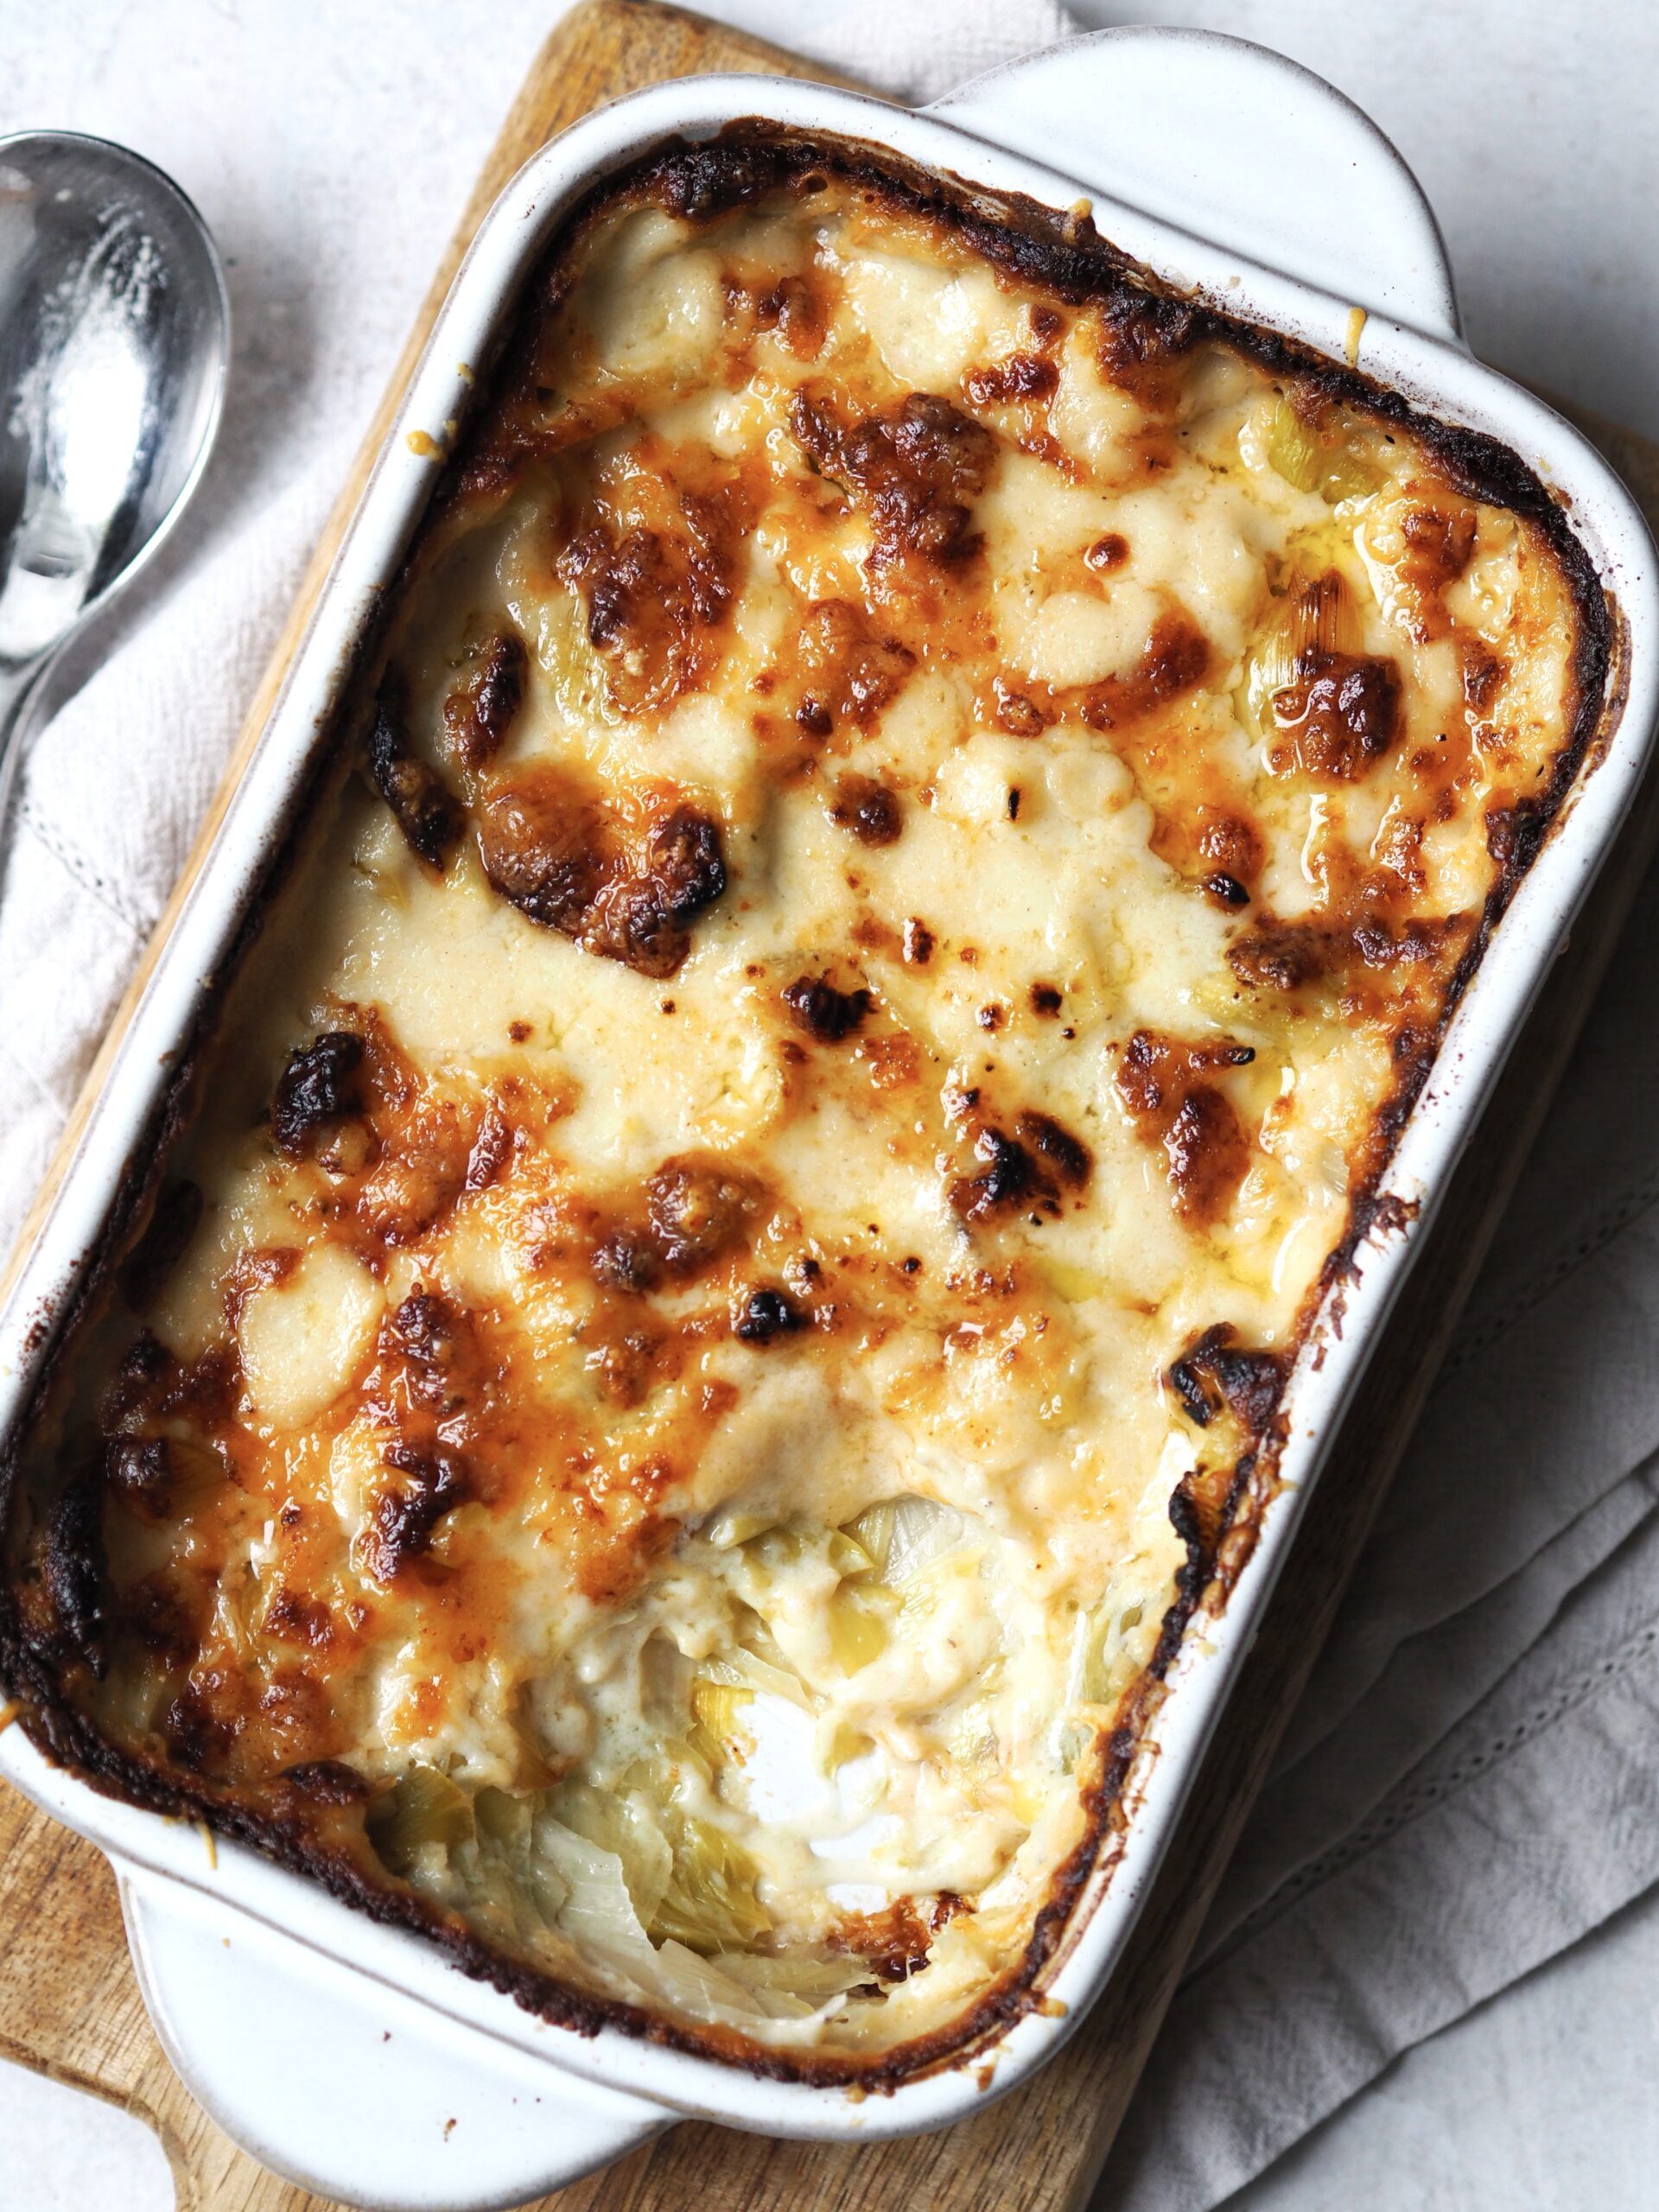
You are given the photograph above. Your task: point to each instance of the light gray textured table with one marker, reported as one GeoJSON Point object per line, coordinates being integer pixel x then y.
{"type": "Point", "coordinates": [331, 153]}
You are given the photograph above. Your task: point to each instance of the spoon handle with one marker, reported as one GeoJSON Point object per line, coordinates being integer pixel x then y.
{"type": "Point", "coordinates": [18, 683]}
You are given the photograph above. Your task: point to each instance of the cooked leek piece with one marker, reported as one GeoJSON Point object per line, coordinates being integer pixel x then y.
{"type": "Point", "coordinates": [704, 1987]}
{"type": "Point", "coordinates": [710, 1903]}
{"type": "Point", "coordinates": [732, 1526]}
{"type": "Point", "coordinates": [872, 1532]}
{"type": "Point", "coordinates": [504, 1820]}
{"type": "Point", "coordinates": [903, 1535]}
{"type": "Point", "coordinates": [1103, 1667]}
{"type": "Point", "coordinates": [923, 1530]}
{"type": "Point", "coordinates": [816, 1977]}
{"type": "Point", "coordinates": [576, 674]}
{"type": "Point", "coordinates": [773, 1552]}
{"type": "Point", "coordinates": [423, 1807]}
{"type": "Point", "coordinates": [625, 1826]}
{"type": "Point", "coordinates": [754, 1662]}
{"type": "Point", "coordinates": [1314, 461]}
{"type": "Point", "coordinates": [717, 1733]}
{"type": "Point", "coordinates": [598, 1910]}
{"type": "Point", "coordinates": [847, 1554]}
{"type": "Point", "coordinates": [1314, 616]}
{"type": "Point", "coordinates": [858, 1632]}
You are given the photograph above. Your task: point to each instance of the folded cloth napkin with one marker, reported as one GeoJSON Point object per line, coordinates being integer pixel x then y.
{"type": "Point", "coordinates": [1461, 1795]}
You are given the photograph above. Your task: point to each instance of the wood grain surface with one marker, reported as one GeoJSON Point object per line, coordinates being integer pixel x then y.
{"type": "Point", "coordinates": [69, 2005]}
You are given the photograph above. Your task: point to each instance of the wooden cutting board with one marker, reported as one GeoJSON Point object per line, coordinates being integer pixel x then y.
{"type": "Point", "coordinates": [69, 2006]}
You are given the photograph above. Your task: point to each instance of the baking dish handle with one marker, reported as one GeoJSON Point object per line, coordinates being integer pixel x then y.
{"type": "Point", "coordinates": [348, 2087]}
{"type": "Point", "coordinates": [1236, 145]}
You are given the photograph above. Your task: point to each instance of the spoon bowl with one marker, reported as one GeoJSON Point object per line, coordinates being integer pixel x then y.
{"type": "Point", "coordinates": [114, 343]}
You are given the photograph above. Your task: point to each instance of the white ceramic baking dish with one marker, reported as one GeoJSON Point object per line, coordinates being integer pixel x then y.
{"type": "Point", "coordinates": [351, 2056]}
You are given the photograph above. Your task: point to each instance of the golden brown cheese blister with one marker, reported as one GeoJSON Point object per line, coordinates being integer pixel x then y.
{"type": "Point", "coordinates": [747, 1221]}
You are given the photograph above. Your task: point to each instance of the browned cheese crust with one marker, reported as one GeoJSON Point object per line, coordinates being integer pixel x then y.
{"type": "Point", "coordinates": [842, 990]}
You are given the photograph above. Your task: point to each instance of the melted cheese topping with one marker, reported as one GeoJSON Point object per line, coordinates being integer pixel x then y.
{"type": "Point", "coordinates": [773, 1158]}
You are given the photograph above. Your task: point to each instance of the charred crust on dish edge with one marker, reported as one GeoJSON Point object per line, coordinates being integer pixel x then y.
{"type": "Point", "coordinates": [1149, 321]}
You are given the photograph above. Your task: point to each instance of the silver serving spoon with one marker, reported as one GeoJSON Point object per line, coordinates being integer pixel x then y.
{"type": "Point", "coordinates": [114, 341]}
